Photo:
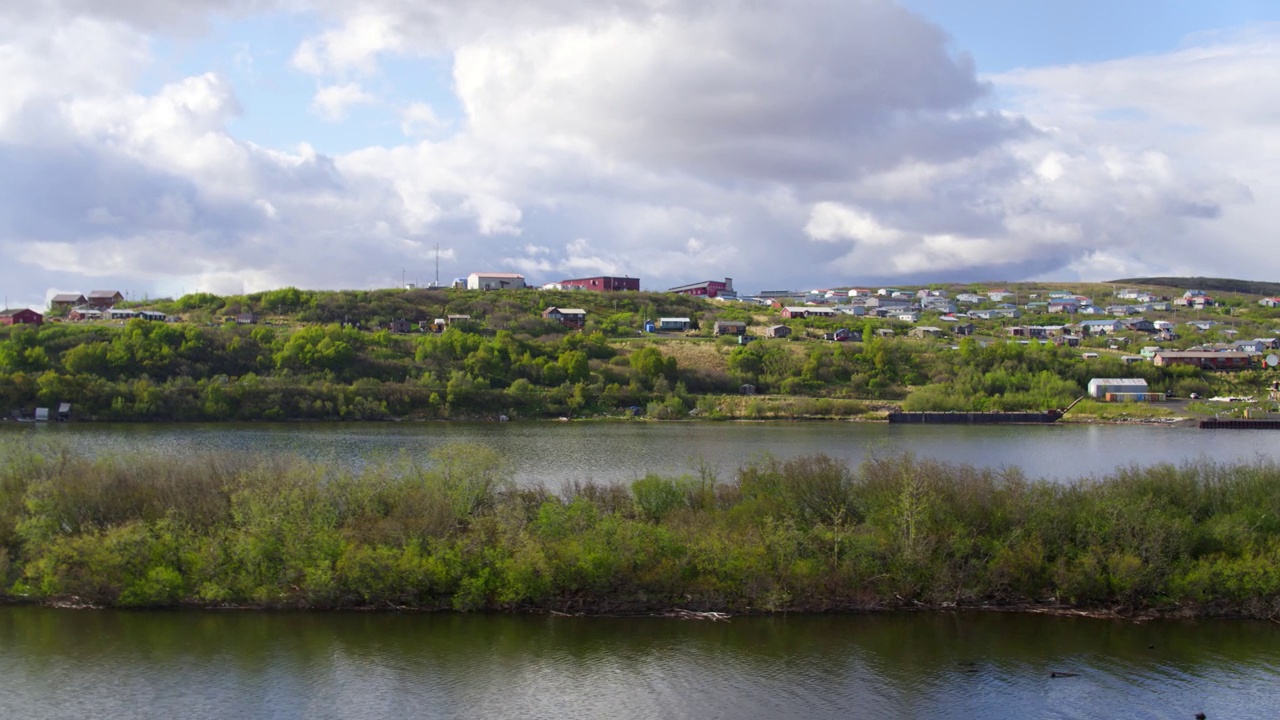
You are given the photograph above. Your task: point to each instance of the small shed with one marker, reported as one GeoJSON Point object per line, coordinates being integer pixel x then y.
{"type": "Point", "coordinates": [674, 323]}
{"type": "Point", "coordinates": [777, 331]}
{"type": "Point", "coordinates": [400, 326]}
{"type": "Point", "coordinates": [730, 327]}
{"type": "Point", "coordinates": [1101, 387]}
{"type": "Point", "coordinates": [925, 331]}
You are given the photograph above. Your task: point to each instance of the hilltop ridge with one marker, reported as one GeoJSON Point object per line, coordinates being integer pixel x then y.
{"type": "Point", "coordinates": [1249, 287]}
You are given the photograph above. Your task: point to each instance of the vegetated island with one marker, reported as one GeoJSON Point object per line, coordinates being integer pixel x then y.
{"type": "Point", "coordinates": [805, 535]}
{"type": "Point", "coordinates": [291, 354]}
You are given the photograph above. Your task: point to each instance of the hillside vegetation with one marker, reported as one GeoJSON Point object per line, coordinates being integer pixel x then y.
{"type": "Point", "coordinates": [330, 355]}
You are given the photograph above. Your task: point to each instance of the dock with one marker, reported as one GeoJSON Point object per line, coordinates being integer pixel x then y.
{"type": "Point", "coordinates": [1238, 424]}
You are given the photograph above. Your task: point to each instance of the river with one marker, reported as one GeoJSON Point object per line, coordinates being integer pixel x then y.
{"type": "Point", "coordinates": [106, 664]}
{"type": "Point", "coordinates": [200, 664]}
{"type": "Point", "coordinates": [553, 452]}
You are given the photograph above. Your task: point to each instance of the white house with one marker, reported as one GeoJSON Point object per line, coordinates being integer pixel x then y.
{"type": "Point", "coordinates": [495, 281]}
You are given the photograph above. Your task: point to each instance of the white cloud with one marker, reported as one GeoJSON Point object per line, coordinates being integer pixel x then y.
{"type": "Point", "coordinates": [418, 119]}
{"type": "Point", "coordinates": [332, 101]}
{"type": "Point", "coordinates": [800, 143]}
{"type": "Point", "coordinates": [352, 47]}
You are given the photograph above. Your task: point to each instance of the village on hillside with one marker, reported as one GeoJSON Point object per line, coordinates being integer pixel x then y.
{"type": "Point", "coordinates": [1144, 325]}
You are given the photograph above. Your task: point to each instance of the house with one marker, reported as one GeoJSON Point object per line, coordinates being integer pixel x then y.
{"type": "Point", "coordinates": [1253, 347]}
{"type": "Point", "coordinates": [21, 316]}
{"type": "Point", "coordinates": [67, 301]}
{"type": "Point", "coordinates": [103, 299]}
{"type": "Point", "coordinates": [1064, 306]}
{"type": "Point", "coordinates": [575, 318]}
{"type": "Point", "coordinates": [925, 331]}
{"type": "Point", "coordinates": [938, 304]}
{"type": "Point", "coordinates": [1194, 299]}
{"type": "Point", "coordinates": [84, 313]}
{"type": "Point", "coordinates": [1203, 359]}
{"type": "Point", "coordinates": [964, 329]}
{"type": "Point", "coordinates": [730, 327]}
{"type": "Point", "coordinates": [152, 315]}
{"type": "Point", "coordinates": [795, 312]}
{"type": "Point", "coordinates": [859, 292]}
{"type": "Point", "coordinates": [843, 335]}
{"type": "Point", "coordinates": [707, 289]}
{"type": "Point", "coordinates": [400, 326]}
{"type": "Point", "coordinates": [247, 318]}
{"type": "Point", "coordinates": [1000, 295]}
{"type": "Point", "coordinates": [1104, 388]}
{"type": "Point", "coordinates": [777, 331]}
{"type": "Point", "coordinates": [1202, 325]}
{"type": "Point", "coordinates": [678, 324]}
{"type": "Point", "coordinates": [1270, 302]}
{"type": "Point", "coordinates": [910, 316]}
{"type": "Point", "coordinates": [1100, 327]}
{"type": "Point", "coordinates": [1067, 341]}
{"type": "Point", "coordinates": [1139, 325]}
{"type": "Point", "coordinates": [121, 314]}
{"type": "Point", "coordinates": [495, 281]}
{"type": "Point", "coordinates": [602, 283]}
{"type": "Point", "coordinates": [970, 298]}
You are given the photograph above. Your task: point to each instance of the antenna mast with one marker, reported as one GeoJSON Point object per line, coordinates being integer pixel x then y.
{"type": "Point", "coordinates": [437, 264]}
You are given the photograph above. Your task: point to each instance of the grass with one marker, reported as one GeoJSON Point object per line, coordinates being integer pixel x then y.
{"type": "Point", "coordinates": [807, 534]}
{"type": "Point", "coordinates": [1122, 411]}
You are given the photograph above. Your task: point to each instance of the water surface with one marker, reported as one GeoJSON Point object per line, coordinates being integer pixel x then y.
{"type": "Point", "coordinates": [551, 452]}
{"type": "Point", "coordinates": [70, 664]}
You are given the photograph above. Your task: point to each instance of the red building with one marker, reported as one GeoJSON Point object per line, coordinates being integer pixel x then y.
{"type": "Point", "coordinates": [707, 288]}
{"type": "Point", "coordinates": [1207, 360]}
{"type": "Point", "coordinates": [20, 316]}
{"type": "Point", "coordinates": [602, 284]}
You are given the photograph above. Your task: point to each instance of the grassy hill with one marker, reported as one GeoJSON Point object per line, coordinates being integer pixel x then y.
{"type": "Point", "coordinates": [1247, 287]}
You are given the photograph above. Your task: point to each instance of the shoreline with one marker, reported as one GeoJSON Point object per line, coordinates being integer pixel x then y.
{"type": "Point", "coordinates": [691, 612]}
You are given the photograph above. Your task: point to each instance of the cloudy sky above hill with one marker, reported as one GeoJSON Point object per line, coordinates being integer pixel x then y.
{"type": "Point", "coordinates": [169, 146]}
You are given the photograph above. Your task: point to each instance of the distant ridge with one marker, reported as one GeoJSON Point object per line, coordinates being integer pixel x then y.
{"type": "Point", "coordinates": [1250, 287]}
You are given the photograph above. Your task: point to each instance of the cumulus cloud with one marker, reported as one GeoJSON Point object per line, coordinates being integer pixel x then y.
{"type": "Point", "coordinates": [332, 102]}
{"type": "Point", "coordinates": [780, 143]}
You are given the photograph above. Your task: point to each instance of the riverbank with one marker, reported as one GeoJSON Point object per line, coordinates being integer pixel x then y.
{"type": "Point", "coordinates": [809, 534]}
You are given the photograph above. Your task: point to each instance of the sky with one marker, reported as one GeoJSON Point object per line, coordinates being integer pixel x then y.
{"type": "Point", "coordinates": [162, 147]}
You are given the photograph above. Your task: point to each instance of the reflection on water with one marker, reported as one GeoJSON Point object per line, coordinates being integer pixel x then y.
{"type": "Point", "coordinates": [552, 453]}
{"type": "Point", "coordinates": [65, 664]}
